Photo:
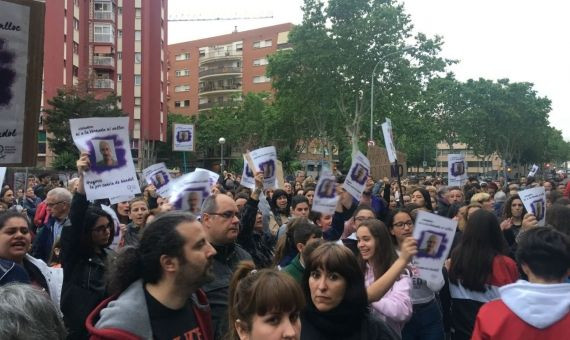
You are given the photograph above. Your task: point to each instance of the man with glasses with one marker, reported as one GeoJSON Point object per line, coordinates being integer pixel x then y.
{"type": "Point", "coordinates": [58, 202]}
{"type": "Point", "coordinates": [220, 221]}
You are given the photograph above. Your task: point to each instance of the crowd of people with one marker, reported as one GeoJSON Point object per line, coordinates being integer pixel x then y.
{"type": "Point", "coordinates": [260, 264]}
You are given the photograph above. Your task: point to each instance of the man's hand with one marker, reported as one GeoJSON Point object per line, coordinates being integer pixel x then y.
{"type": "Point", "coordinates": [529, 221]}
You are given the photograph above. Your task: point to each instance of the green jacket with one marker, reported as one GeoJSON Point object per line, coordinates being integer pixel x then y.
{"type": "Point", "coordinates": [295, 269]}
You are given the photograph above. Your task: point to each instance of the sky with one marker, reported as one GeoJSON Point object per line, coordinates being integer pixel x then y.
{"type": "Point", "coordinates": [523, 40]}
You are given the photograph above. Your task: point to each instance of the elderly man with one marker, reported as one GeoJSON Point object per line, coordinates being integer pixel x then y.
{"type": "Point", "coordinates": [58, 202]}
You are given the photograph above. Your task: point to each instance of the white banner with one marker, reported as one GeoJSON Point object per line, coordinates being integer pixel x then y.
{"type": "Point", "coordinates": [456, 170]}
{"type": "Point", "coordinates": [2, 175]}
{"type": "Point", "coordinates": [533, 170]}
{"type": "Point", "coordinates": [357, 176]}
{"type": "Point", "coordinates": [190, 190]}
{"type": "Point", "coordinates": [389, 140]}
{"type": "Point", "coordinates": [265, 160]}
{"type": "Point", "coordinates": [183, 137]}
{"type": "Point", "coordinates": [121, 198]}
{"type": "Point", "coordinates": [325, 199]}
{"type": "Point", "coordinates": [435, 235]}
{"type": "Point", "coordinates": [534, 201]}
{"type": "Point", "coordinates": [158, 175]}
{"type": "Point", "coordinates": [247, 179]}
{"type": "Point", "coordinates": [112, 170]}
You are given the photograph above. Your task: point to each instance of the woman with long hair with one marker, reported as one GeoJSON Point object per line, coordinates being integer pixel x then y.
{"type": "Point", "coordinates": [264, 305]}
{"type": "Point", "coordinates": [478, 267]}
{"type": "Point", "coordinates": [280, 210]}
{"type": "Point", "coordinates": [422, 199]}
{"type": "Point", "coordinates": [513, 214]}
{"type": "Point", "coordinates": [377, 255]}
{"type": "Point", "coordinates": [337, 302]}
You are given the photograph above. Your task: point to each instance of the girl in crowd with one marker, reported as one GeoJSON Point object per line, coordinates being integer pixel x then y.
{"type": "Point", "coordinates": [478, 267]}
{"type": "Point", "coordinates": [286, 249]}
{"type": "Point", "coordinates": [426, 322]}
{"type": "Point", "coordinates": [122, 211]}
{"type": "Point", "coordinates": [513, 213]}
{"type": "Point", "coordinates": [422, 199]}
{"type": "Point", "coordinates": [377, 254]}
{"type": "Point", "coordinates": [138, 212]}
{"type": "Point", "coordinates": [264, 305]}
{"type": "Point", "coordinates": [337, 303]}
{"type": "Point", "coordinates": [84, 257]}
{"type": "Point", "coordinates": [310, 194]}
{"type": "Point", "coordinates": [280, 210]}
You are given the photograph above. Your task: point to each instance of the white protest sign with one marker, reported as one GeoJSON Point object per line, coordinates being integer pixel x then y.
{"type": "Point", "coordinates": [247, 179]}
{"type": "Point", "coordinates": [158, 175]}
{"type": "Point", "coordinates": [435, 235]}
{"type": "Point", "coordinates": [117, 230]}
{"type": "Point", "coordinates": [534, 201]}
{"type": "Point", "coordinates": [389, 140]}
{"type": "Point", "coordinates": [456, 170]}
{"type": "Point", "coordinates": [325, 199]}
{"type": "Point", "coordinates": [121, 198]}
{"type": "Point", "coordinates": [190, 190]}
{"type": "Point", "coordinates": [357, 176]}
{"type": "Point", "coordinates": [2, 174]}
{"type": "Point", "coordinates": [265, 160]}
{"type": "Point", "coordinates": [183, 137]}
{"type": "Point", "coordinates": [533, 170]}
{"type": "Point", "coordinates": [112, 171]}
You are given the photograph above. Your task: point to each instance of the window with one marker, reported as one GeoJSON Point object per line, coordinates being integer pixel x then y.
{"type": "Point", "coordinates": [202, 52]}
{"type": "Point", "coordinates": [103, 6]}
{"type": "Point", "coordinates": [261, 79]}
{"type": "Point", "coordinates": [119, 77]}
{"type": "Point", "coordinates": [138, 57]}
{"type": "Point", "coordinates": [182, 73]}
{"type": "Point", "coordinates": [262, 43]}
{"type": "Point", "coordinates": [182, 103]}
{"type": "Point", "coordinates": [120, 10]}
{"type": "Point", "coordinates": [182, 88]}
{"type": "Point", "coordinates": [75, 71]}
{"type": "Point", "coordinates": [103, 33]}
{"type": "Point", "coordinates": [75, 24]}
{"type": "Point", "coordinates": [120, 33]}
{"type": "Point", "coordinates": [239, 47]}
{"type": "Point", "coordinates": [138, 80]}
{"type": "Point", "coordinates": [75, 48]}
{"type": "Point", "coordinates": [138, 101]}
{"type": "Point", "coordinates": [183, 56]}
{"type": "Point", "coordinates": [138, 13]}
{"type": "Point", "coordinates": [120, 55]}
{"type": "Point", "coordinates": [260, 62]}
{"type": "Point", "coordinates": [137, 35]}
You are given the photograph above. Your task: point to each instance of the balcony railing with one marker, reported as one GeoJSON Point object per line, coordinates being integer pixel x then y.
{"type": "Point", "coordinates": [99, 15]}
{"type": "Point", "coordinates": [104, 84]}
{"type": "Point", "coordinates": [210, 88]}
{"type": "Point", "coordinates": [221, 54]}
{"type": "Point", "coordinates": [103, 38]}
{"type": "Point", "coordinates": [210, 105]}
{"type": "Point", "coordinates": [220, 70]}
{"type": "Point", "coordinates": [104, 61]}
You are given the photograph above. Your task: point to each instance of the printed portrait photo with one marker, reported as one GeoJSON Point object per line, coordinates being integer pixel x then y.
{"type": "Point", "coordinates": [268, 168]}
{"type": "Point", "coordinates": [183, 136]}
{"type": "Point", "coordinates": [159, 179]}
{"type": "Point", "coordinates": [430, 244]}
{"type": "Point", "coordinates": [192, 201]}
{"type": "Point", "coordinates": [538, 209]}
{"type": "Point", "coordinates": [105, 154]}
{"type": "Point", "coordinates": [359, 174]}
{"type": "Point", "coordinates": [458, 168]}
{"type": "Point", "coordinates": [327, 189]}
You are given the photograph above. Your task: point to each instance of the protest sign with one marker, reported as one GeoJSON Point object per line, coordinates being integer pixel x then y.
{"type": "Point", "coordinates": [434, 235]}
{"type": "Point", "coordinates": [389, 140]}
{"type": "Point", "coordinates": [121, 198]}
{"type": "Point", "coordinates": [456, 170]}
{"type": "Point", "coordinates": [159, 176]}
{"type": "Point", "coordinates": [117, 227]}
{"type": "Point", "coordinates": [21, 66]}
{"type": "Point", "coordinates": [190, 190]}
{"type": "Point", "coordinates": [2, 174]}
{"type": "Point", "coordinates": [247, 179]}
{"type": "Point", "coordinates": [534, 201]}
{"type": "Point", "coordinates": [357, 176]}
{"type": "Point", "coordinates": [533, 170]}
{"type": "Point", "coordinates": [112, 171]}
{"type": "Point", "coordinates": [326, 198]}
{"type": "Point", "coordinates": [265, 160]}
{"type": "Point", "coordinates": [183, 137]}
{"type": "Point", "coordinates": [279, 178]}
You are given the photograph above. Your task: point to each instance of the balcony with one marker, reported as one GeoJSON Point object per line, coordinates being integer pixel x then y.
{"type": "Point", "coordinates": [219, 89]}
{"type": "Point", "coordinates": [106, 62]}
{"type": "Point", "coordinates": [103, 38]}
{"type": "Point", "coordinates": [220, 71]}
{"type": "Point", "coordinates": [104, 84]}
{"type": "Point", "coordinates": [220, 55]}
{"type": "Point", "coordinates": [104, 15]}
{"type": "Point", "coordinates": [209, 105]}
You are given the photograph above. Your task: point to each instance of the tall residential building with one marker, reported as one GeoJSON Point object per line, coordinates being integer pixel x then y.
{"type": "Point", "coordinates": [214, 71]}
{"type": "Point", "coordinates": [110, 45]}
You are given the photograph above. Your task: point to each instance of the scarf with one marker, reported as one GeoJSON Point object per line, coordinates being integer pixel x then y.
{"type": "Point", "coordinates": [340, 322]}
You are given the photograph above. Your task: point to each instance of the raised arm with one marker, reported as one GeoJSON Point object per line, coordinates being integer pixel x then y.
{"type": "Point", "coordinates": [247, 221]}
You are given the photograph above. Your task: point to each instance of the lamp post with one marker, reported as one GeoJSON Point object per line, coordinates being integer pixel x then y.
{"type": "Point", "coordinates": [222, 141]}
{"type": "Point", "coordinates": [407, 48]}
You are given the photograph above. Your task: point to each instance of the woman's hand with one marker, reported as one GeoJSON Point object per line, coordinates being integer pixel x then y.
{"type": "Point", "coordinates": [408, 249]}
{"type": "Point", "coordinates": [83, 163]}
{"type": "Point", "coordinates": [506, 224]}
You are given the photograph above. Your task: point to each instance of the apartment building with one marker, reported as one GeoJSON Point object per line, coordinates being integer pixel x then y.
{"type": "Point", "coordinates": [218, 70]}
{"type": "Point", "coordinates": [111, 46]}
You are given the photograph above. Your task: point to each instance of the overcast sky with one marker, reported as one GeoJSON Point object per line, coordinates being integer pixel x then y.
{"type": "Point", "coordinates": [522, 40]}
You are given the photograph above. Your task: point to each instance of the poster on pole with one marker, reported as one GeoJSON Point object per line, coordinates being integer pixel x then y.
{"type": "Point", "coordinates": [183, 137]}
{"type": "Point", "coordinates": [533, 171]}
{"type": "Point", "coordinates": [357, 176]}
{"type": "Point", "coordinates": [112, 171]}
{"type": "Point", "coordinates": [158, 175]}
{"type": "Point", "coordinates": [435, 235]}
{"type": "Point", "coordinates": [326, 198]}
{"type": "Point", "coordinates": [2, 175]}
{"type": "Point", "coordinates": [456, 170]}
{"type": "Point", "coordinates": [190, 190]}
{"type": "Point", "coordinates": [389, 140]}
{"type": "Point", "coordinates": [247, 179]}
{"type": "Point", "coordinates": [21, 67]}
{"type": "Point", "coordinates": [534, 201]}
{"type": "Point", "coordinates": [265, 160]}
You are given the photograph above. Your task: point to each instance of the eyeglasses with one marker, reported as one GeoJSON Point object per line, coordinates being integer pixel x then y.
{"type": "Point", "coordinates": [101, 228]}
{"type": "Point", "coordinates": [402, 224]}
{"type": "Point", "coordinates": [49, 205]}
{"type": "Point", "coordinates": [363, 218]}
{"type": "Point", "coordinates": [225, 214]}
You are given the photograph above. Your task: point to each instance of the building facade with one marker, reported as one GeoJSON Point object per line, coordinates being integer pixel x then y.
{"type": "Point", "coordinates": [218, 70]}
{"type": "Point", "coordinates": [110, 46]}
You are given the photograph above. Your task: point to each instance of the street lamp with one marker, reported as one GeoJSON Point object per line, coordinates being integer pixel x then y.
{"type": "Point", "coordinates": [222, 141]}
{"type": "Point", "coordinates": [406, 48]}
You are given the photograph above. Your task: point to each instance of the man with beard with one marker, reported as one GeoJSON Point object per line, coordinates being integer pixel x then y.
{"type": "Point", "coordinates": [158, 282]}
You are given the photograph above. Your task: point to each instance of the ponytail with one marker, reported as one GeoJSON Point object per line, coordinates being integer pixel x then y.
{"type": "Point", "coordinates": [243, 269]}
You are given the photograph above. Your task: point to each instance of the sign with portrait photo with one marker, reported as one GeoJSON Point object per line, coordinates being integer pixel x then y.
{"type": "Point", "coordinates": [265, 160]}
{"type": "Point", "coordinates": [356, 178]}
{"type": "Point", "coordinates": [534, 201]}
{"type": "Point", "coordinates": [158, 175]}
{"type": "Point", "coordinates": [183, 137]}
{"type": "Point", "coordinates": [533, 171]}
{"type": "Point", "coordinates": [247, 179]}
{"type": "Point", "coordinates": [326, 198]}
{"type": "Point", "coordinates": [190, 190]}
{"type": "Point", "coordinates": [112, 171]}
{"type": "Point", "coordinates": [456, 170]}
{"type": "Point", "coordinates": [435, 235]}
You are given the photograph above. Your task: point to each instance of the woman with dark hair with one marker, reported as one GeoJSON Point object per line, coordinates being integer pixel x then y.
{"type": "Point", "coordinates": [280, 211]}
{"type": "Point", "coordinates": [84, 257]}
{"type": "Point", "coordinates": [422, 199]}
{"type": "Point", "coordinates": [558, 217]}
{"type": "Point", "coordinates": [337, 302]}
{"type": "Point", "coordinates": [377, 255]}
{"type": "Point", "coordinates": [122, 210]}
{"type": "Point", "coordinates": [426, 321]}
{"type": "Point", "coordinates": [513, 214]}
{"type": "Point", "coordinates": [478, 267]}
{"type": "Point", "coordinates": [264, 305]}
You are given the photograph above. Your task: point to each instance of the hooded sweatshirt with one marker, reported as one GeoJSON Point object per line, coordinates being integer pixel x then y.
{"type": "Point", "coordinates": [526, 311]}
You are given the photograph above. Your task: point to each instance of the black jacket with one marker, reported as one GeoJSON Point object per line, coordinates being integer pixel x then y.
{"type": "Point", "coordinates": [371, 328]}
{"type": "Point", "coordinates": [258, 244]}
{"type": "Point", "coordinates": [83, 272]}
